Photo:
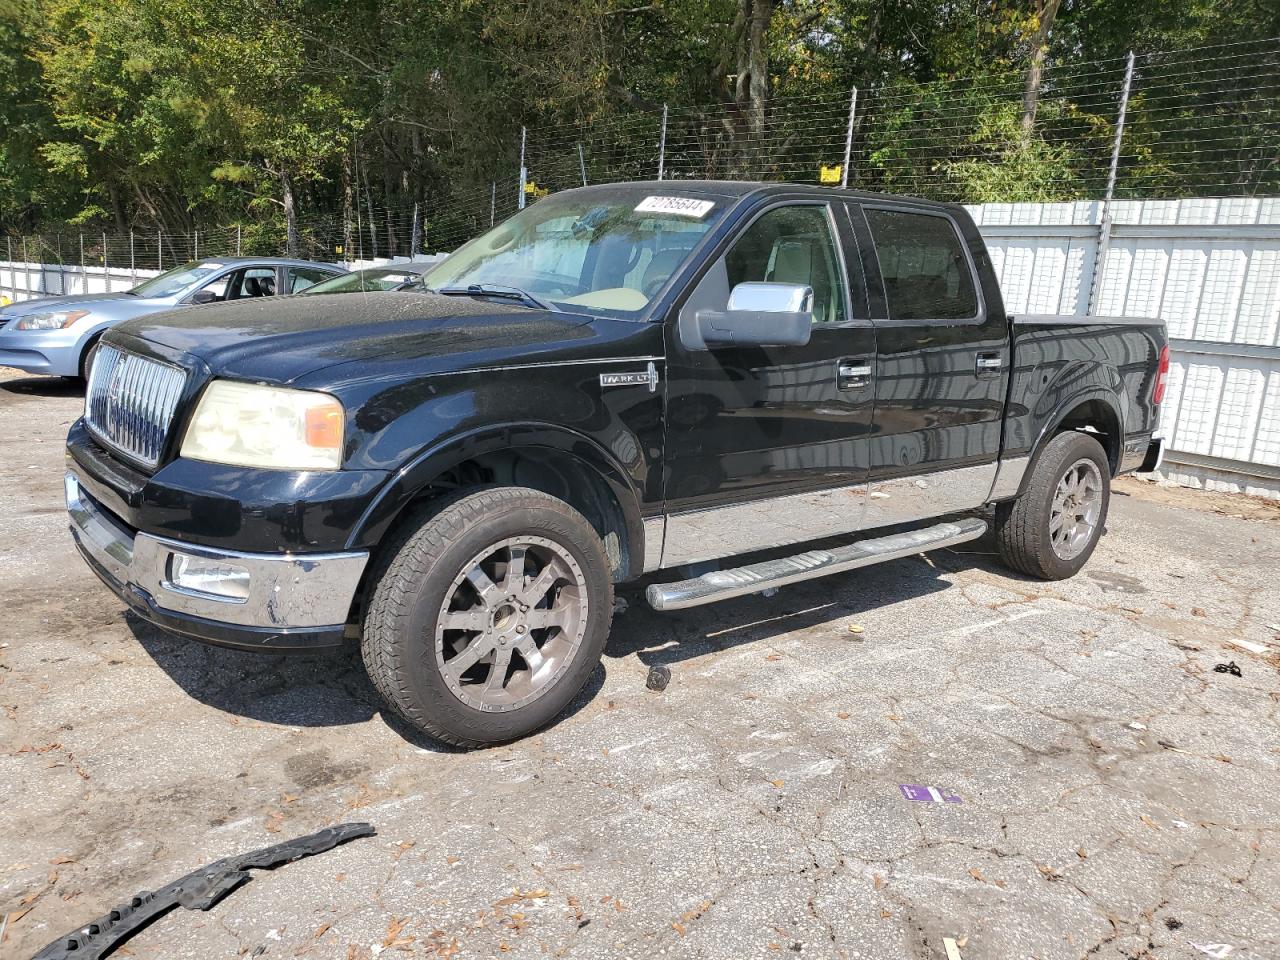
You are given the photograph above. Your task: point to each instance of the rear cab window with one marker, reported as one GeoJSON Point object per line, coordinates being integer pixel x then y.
{"type": "Point", "coordinates": [924, 265]}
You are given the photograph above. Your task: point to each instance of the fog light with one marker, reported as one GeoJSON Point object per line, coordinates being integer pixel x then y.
{"type": "Point", "coordinates": [213, 578]}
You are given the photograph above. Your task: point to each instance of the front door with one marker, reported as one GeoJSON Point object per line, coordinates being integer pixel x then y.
{"type": "Point", "coordinates": [942, 368]}
{"type": "Point", "coordinates": [768, 445]}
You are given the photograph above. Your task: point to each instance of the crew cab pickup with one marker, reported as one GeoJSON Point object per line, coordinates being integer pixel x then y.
{"type": "Point", "coordinates": [720, 387]}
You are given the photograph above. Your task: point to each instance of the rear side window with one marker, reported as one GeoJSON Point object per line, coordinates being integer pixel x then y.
{"type": "Point", "coordinates": [302, 277]}
{"type": "Point", "coordinates": [923, 263]}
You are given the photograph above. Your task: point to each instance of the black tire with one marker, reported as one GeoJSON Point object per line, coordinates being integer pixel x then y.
{"type": "Point", "coordinates": [1022, 526]}
{"type": "Point", "coordinates": [86, 359]}
{"type": "Point", "coordinates": [418, 570]}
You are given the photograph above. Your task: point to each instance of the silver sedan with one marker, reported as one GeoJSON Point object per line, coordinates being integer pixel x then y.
{"type": "Point", "coordinates": [55, 334]}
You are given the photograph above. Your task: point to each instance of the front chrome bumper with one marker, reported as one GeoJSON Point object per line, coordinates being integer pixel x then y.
{"type": "Point", "coordinates": [294, 600]}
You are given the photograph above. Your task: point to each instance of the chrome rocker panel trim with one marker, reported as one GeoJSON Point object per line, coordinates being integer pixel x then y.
{"type": "Point", "coordinates": [725, 584]}
{"type": "Point", "coordinates": [295, 600]}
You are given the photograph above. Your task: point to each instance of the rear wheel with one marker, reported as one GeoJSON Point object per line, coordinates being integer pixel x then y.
{"type": "Point", "coordinates": [1051, 530]}
{"type": "Point", "coordinates": [488, 615]}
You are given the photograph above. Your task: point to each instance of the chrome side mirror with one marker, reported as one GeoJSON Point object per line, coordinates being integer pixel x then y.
{"type": "Point", "coordinates": [761, 315]}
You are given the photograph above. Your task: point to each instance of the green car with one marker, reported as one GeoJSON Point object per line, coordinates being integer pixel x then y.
{"type": "Point", "coordinates": [395, 276]}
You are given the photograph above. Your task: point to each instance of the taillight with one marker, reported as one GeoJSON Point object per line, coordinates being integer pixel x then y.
{"type": "Point", "coordinates": [1162, 375]}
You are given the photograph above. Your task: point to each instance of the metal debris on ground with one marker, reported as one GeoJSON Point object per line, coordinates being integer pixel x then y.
{"type": "Point", "coordinates": [1249, 645]}
{"type": "Point", "coordinates": [1219, 951]}
{"type": "Point", "coordinates": [198, 890]}
{"type": "Point", "coordinates": [1230, 667]}
{"type": "Point", "coordinates": [659, 677]}
{"type": "Point", "coordinates": [913, 791]}
{"type": "Point", "coordinates": [952, 948]}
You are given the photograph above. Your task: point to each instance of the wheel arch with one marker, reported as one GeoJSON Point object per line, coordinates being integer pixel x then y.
{"type": "Point", "coordinates": [1096, 412]}
{"type": "Point", "coordinates": [561, 462]}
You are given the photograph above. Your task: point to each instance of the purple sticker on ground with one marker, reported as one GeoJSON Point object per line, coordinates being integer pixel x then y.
{"type": "Point", "coordinates": [914, 791]}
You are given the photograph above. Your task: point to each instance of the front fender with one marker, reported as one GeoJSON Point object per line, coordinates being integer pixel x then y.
{"type": "Point", "coordinates": [430, 463]}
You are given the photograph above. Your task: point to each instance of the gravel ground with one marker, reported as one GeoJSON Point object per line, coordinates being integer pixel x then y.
{"type": "Point", "coordinates": [1119, 798]}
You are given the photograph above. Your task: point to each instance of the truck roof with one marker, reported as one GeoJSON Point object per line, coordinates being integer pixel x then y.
{"type": "Point", "coordinates": [734, 189]}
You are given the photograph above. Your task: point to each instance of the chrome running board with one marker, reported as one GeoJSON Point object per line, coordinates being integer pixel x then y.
{"type": "Point", "coordinates": [724, 584]}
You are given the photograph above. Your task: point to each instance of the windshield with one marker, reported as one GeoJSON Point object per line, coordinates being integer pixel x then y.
{"type": "Point", "coordinates": [363, 280]}
{"type": "Point", "coordinates": [600, 250]}
{"type": "Point", "coordinates": [179, 280]}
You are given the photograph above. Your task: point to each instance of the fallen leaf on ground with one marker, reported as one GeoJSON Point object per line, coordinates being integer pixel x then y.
{"type": "Point", "coordinates": [778, 783]}
{"type": "Point", "coordinates": [977, 874]}
{"type": "Point", "coordinates": [843, 715]}
{"type": "Point", "coordinates": [774, 656]}
{"type": "Point", "coordinates": [394, 930]}
{"type": "Point", "coordinates": [1150, 823]}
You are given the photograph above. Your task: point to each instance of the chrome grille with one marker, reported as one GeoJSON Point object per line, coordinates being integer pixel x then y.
{"type": "Point", "coordinates": [130, 401]}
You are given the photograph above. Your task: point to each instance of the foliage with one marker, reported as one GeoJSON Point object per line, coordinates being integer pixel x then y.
{"type": "Point", "coordinates": [175, 114]}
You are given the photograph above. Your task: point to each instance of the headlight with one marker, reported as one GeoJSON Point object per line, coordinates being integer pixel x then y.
{"type": "Point", "coordinates": [51, 321]}
{"type": "Point", "coordinates": [251, 425]}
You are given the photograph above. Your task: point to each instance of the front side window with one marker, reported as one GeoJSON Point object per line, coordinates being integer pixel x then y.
{"type": "Point", "coordinates": [792, 245]}
{"type": "Point", "coordinates": [923, 263]}
{"type": "Point", "coordinates": [607, 250]}
{"type": "Point", "coordinates": [253, 282]}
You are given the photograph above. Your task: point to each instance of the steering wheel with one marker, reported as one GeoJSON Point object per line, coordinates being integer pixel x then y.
{"type": "Point", "coordinates": [651, 288]}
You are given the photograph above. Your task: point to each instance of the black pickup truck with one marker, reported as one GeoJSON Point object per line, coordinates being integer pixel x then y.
{"type": "Point", "coordinates": [620, 380]}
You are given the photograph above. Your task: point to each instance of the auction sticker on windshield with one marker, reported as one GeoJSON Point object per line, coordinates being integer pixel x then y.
{"type": "Point", "coordinates": [679, 206]}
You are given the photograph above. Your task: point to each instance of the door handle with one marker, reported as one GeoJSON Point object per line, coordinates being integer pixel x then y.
{"type": "Point", "coordinates": [988, 364]}
{"type": "Point", "coordinates": [852, 375]}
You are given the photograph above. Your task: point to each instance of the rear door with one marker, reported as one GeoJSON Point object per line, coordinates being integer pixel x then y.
{"type": "Point", "coordinates": [942, 367]}
{"type": "Point", "coordinates": [768, 445]}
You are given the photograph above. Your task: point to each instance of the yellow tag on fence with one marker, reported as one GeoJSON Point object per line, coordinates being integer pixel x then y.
{"type": "Point", "coordinates": [531, 189]}
{"type": "Point", "coordinates": [830, 174]}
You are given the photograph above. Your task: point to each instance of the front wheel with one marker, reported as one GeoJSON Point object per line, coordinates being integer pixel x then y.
{"type": "Point", "coordinates": [488, 615]}
{"type": "Point", "coordinates": [1051, 530]}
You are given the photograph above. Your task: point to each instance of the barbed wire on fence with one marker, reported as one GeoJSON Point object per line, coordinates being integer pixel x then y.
{"type": "Point", "coordinates": [1199, 122]}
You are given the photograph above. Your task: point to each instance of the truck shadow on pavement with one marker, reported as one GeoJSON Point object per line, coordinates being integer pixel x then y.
{"type": "Point", "coordinates": [664, 639]}
{"type": "Point", "coordinates": [324, 689]}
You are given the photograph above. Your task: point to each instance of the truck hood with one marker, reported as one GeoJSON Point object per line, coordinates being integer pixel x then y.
{"type": "Point", "coordinates": [282, 339]}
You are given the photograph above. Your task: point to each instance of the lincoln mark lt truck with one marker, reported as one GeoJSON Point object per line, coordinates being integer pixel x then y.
{"type": "Point", "coordinates": [722, 387]}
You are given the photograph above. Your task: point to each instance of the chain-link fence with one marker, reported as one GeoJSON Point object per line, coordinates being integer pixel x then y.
{"type": "Point", "coordinates": [1197, 122]}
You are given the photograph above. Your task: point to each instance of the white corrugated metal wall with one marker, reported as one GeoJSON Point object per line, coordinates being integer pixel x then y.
{"type": "Point", "coordinates": [1211, 269]}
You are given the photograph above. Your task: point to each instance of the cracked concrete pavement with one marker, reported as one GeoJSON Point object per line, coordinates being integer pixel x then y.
{"type": "Point", "coordinates": [1120, 799]}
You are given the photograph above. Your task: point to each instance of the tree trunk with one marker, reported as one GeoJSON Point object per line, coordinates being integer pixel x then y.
{"type": "Point", "coordinates": [348, 240]}
{"type": "Point", "coordinates": [752, 88]}
{"type": "Point", "coordinates": [1045, 15]}
{"type": "Point", "coordinates": [117, 208]}
{"type": "Point", "coordinates": [290, 214]}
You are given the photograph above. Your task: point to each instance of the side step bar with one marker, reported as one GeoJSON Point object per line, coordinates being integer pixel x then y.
{"type": "Point", "coordinates": [724, 584]}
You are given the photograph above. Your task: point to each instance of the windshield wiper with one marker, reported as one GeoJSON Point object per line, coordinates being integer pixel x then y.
{"type": "Point", "coordinates": [500, 291]}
